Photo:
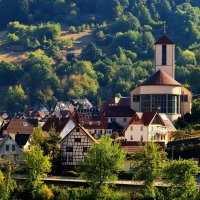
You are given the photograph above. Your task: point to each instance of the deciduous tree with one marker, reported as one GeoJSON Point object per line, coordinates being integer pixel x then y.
{"type": "Point", "coordinates": [103, 162]}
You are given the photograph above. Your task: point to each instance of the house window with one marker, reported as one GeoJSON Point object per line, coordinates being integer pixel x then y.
{"type": "Point", "coordinates": [85, 149]}
{"type": "Point", "coordinates": [124, 119]}
{"type": "Point", "coordinates": [164, 54]}
{"type": "Point", "coordinates": [13, 147]}
{"type": "Point", "coordinates": [70, 159]}
{"type": "Point", "coordinates": [7, 147]}
{"type": "Point", "coordinates": [131, 128]}
{"type": "Point", "coordinates": [77, 140]}
{"type": "Point", "coordinates": [131, 137]}
{"type": "Point", "coordinates": [141, 138]}
{"type": "Point", "coordinates": [98, 123]}
{"type": "Point", "coordinates": [112, 119]}
{"type": "Point", "coordinates": [78, 130]}
{"type": "Point", "coordinates": [69, 149]}
{"type": "Point", "coordinates": [141, 128]}
{"type": "Point", "coordinates": [90, 122]}
{"type": "Point", "coordinates": [136, 98]}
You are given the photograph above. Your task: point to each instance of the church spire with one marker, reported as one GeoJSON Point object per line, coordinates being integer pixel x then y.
{"type": "Point", "coordinates": [164, 53]}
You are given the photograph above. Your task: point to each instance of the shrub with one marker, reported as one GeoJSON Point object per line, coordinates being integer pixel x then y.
{"type": "Point", "coordinates": [44, 193]}
{"type": "Point", "coordinates": [12, 38]}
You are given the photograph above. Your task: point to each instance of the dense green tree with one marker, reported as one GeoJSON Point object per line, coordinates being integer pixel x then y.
{"type": "Point", "coordinates": [37, 136]}
{"type": "Point", "coordinates": [147, 166]}
{"type": "Point", "coordinates": [9, 73]}
{"type": "Point", "coordinates": [7, 184]}
{"type": "Point", "coordinates": [96, 167]}
{"type": "Point", "coordinates": [193, 80]}
{"type": "Point", "coordinates": [181, 177]}
{"type": "Point", "coordinates": [81, 86]}
{"type": "Point", "coordinates": [187, 58]}
{"type": "Point", "coordinates": [51, 147]}
{"type": "Point", "coordinates": [16, 99]}
{"type": "Point", "coordinates": [13, 10]}
{"type": "Point", "coordinates": [36, 166]}
{"type": "Point", "coordinates": [91, 53]}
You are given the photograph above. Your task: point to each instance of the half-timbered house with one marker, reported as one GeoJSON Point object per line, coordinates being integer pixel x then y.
{"type": "Point", "coordinates": [74, 146]}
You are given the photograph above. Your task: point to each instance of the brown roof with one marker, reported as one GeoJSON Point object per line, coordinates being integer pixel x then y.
{"type": "Point", "coordinates": [124, 101]}
{"type": "Point", "coordinates": [57, 123]}
{"type": "Point", "coordinates": [164, 40]}
{"type": "Point", "coordinates": [19, 125]}
{"type": "Point", "coordinates": [147, 117]}
{"type": "Point", "coordinates": [133, 146]}
{"type": "Point", "coordinates": [118, 111]}
{"type": "Point", "coordinates": [160, 78]}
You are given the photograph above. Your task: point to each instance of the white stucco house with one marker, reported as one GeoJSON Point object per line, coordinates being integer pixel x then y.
{"type": "Point", "coordinates": [149, 126]}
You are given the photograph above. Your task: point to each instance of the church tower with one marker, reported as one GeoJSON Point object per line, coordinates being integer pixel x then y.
{"type": "Point", "coordinates": [161, 92]}
{"type": "Point", "coordinates": [164, 55]}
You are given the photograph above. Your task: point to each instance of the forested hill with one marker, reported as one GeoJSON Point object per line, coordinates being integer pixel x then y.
{"type": "Point", "coordinates": [121, 57]}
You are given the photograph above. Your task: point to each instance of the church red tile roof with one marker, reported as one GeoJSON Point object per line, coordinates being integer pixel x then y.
{"type": "Point", "coordinates": [164, 40]}
{"type": "Point", "coordinates": [161, 78]}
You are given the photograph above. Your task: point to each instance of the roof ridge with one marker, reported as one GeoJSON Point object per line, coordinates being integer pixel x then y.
{"type": "Point", "coordinates": [160, 78]}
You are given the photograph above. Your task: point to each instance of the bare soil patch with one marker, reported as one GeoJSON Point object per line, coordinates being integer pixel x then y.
{"type": "Point", "coordinates": [79, 40]}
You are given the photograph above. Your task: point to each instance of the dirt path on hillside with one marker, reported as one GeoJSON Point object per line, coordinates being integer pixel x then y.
{"type": "Point", "coordinates": [8, 55]}
{"type": "Point", "coordinates": [79, 40]}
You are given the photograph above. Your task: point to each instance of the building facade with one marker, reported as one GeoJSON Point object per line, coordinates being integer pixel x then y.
{"type": "Point", "coordinates": [161, 92]}
{"type": "Point", "coordinates": [74, 146]}
{"type": "Point", "coordinates": [149, 126]}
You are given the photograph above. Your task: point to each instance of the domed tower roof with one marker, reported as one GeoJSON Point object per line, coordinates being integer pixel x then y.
{"type": "Point", "coordinates": [164, 40]}
{"type": "Point", "coordinates": [161, 78]}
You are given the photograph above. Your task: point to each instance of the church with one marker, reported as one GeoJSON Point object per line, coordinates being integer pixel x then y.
{"type": "Point", "coordinates": [161, 92]}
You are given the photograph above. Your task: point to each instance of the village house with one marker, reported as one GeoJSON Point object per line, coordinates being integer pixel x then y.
{"type": "Point", "coordinates": [81, 103]}
{"type": "Point", "coordinates": [61, 125]}
{"type": "Point", "coordinates": [149, 126]}
{"type": "Point", "coordinates": [62, 109]}
{"type": "Point", "coordinates": [12, 148]}
{"type": "Point", "coordinates": [118, 110]}
{"type": "Point", "coordinates": [18, 126]}
{"type": "Point", "coordinates": [74, 146]}
{"type": "Point", "coordinates": [40, 108]}
{"type": "Point", "coordinates": [94, 121]}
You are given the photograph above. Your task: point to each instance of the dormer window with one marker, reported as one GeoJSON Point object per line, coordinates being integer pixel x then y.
{"type": "Point", "coordinates": [25, 124]}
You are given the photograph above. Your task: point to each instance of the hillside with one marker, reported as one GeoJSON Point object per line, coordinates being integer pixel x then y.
{"type": "Point", "coordinates": [58, 50]}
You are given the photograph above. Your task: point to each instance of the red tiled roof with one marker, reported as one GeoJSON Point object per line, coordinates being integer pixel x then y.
{"type": "Point", "coordinates": [133, 147]}
{"type": "Point", "coordinates": [160, 78]}
{"type": "Point", "coordinates": [19, 125]}
{"type": "Point", "coordinates": [164, 40]}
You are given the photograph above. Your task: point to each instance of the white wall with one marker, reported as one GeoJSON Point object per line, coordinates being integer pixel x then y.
{"type": "Point", "coordinates": [69, 126]}
{"type": "Point", "coordinates": [9, 141]}
{"type": "Point", "coordinates": [136, 133]}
